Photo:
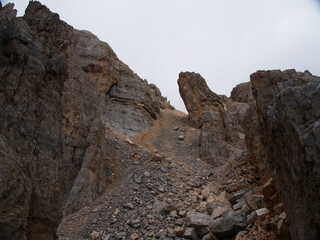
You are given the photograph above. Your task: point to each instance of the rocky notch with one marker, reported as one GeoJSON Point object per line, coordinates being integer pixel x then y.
{"type": "Point", "coordinates": [222, 136]}
{"type": "Point", "coordinates": [61, 90]}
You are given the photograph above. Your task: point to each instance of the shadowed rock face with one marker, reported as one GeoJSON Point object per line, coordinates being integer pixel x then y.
{"type": "Point", "coordinates": [288, 113]}
{"type": "Point", "coordinates": [58, 88]}
{"type": "Point", "coordinates": [256, 150]}
{"type": "Point", "coordinates": [218, 117]}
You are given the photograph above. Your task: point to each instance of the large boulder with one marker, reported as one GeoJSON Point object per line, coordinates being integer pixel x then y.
{"type": "Point", "coordinates": [288, 113]}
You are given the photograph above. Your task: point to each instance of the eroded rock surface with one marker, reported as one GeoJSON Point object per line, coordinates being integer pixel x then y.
{"type": "Point", "coordinates": [218, 117]}
{"type": "Point", "coordinates": [56, 97]}
{"type": "Point", "coordinates": [240, 93]}
{"type": "Point", "coordinates": [288, 108]}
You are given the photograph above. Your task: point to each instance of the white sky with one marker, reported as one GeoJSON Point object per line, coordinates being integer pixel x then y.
{"type": "Point", "coordinates": [223, 40]}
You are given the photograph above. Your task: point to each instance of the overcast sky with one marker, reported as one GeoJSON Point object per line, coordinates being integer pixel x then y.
{"type": "Point", "coordinates": [223, 40]}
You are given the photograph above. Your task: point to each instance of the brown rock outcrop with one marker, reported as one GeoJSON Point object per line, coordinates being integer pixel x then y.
{"type": "Point", "coordinates": [57, 92]}
{"type": "Point", "coordinates": [218, 117]}
{"type": "Point", "coordinates": [240, 93]}
{"type": "Point", "coordinates": [288, 109]}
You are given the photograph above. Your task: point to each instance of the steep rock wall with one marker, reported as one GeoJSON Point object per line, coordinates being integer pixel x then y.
{"type": "Point", "coordinates": [55, 87]}
{"type": "Point", "coordinates": [287, 105]}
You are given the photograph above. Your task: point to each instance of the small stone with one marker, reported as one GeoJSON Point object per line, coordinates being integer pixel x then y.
{"type": "Point", "coordinates": [182, 213]}
{"type": "Point", "coordinates": [217, 209]}
{"type": "Point", "coordinates": [94, 235]}
{"type": "Point", "coordinates": [136, 156]}
{"type": "Point", "coordinates": [252, 217]}
{"type": "Point", "coordinates": [134, 236]}
{"type": "Point", "coordinates": [268, 189]}
{"type": "Point", "coordinates": [176, 128]}
{"type": "Point", "coordinates": [129, 206]}
{"type": "Point", "coordinates": [159, 206]}
{"type": "Point", "coordinates": [209, 236]}
{"type": "Point", "coordinates": [238, 206]}
{"type": "Point", "coordinates": [155, 157]}
{"type": "Point", "coordinates": [162, 234]}
{"type": "Point", "coordinates": [168, 208]}
{"type": "Point", "coordinates": [190, 233]}
{"type": "Point", "coordinates": [262, 212]}
{"type": "Point", "coordinates": [178, 231]}
{"type": "Point", "coordinates": [258, 199]}
{"type": "Point", "coordinates": [173, 213]}
{"type": "Point", "coordinates": [181, 137]}
{"type": "Point", "coordinates": [179, 221]}
{"type": "Point", "coordinates": [249, 200]}
{"type": "Point", "coordinates": [194, 199]}
{"type": "Point", "coordinates": [205, 192]}
{"type": "Point", "coordinates": [196, 219]}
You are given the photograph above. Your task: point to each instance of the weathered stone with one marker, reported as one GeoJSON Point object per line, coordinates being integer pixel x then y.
{"type": "Point", "coordinates": [252, 217]}
{"type": "Point", "coordinates": [198, 220]}
{"type": "Point", "coordinates": [159, 206]}
{"type": "Point", "coordinates": [217, 209]}
{"type": "Point", "coordinates": [182, 213]}
{"type": "Point", "coordinates": [262, 212]}
{"type": "Point", "coordinates": [181, 137]}
{"type": "Point", "coordinates": [249, 200]}
{"type": "Point", "coordinates": [155, 157]}
{"type": "Point", "coordinates": [134, 236]}
{"type": "Point", "coordinates": [227, 225]}
{"type": "Point", "coordinates": [190, 233]}
{"type": "Point", "coordinates": [94, 235]}
{"type": "Point", "coordinates": [209, 236]}
{"type": "Point", "coordinates": [287, 105]}
{"type": "Point", "coordinates": [240, 92]}
{"type": "Point", "coordinates": [178, 231]}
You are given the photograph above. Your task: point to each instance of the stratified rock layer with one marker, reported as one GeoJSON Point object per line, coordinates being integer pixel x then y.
{"type": "Point", "coordinates": [59, 92]}
{"type": "Point", "coordinates": [218, 117]}
{"type": "Point", "coordinates": [288, 110]}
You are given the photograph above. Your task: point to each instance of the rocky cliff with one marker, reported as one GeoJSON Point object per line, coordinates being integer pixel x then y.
{"type": "Point", "coordinates": [61, 91]}
{"type": "Point", "coordinates": [287, 107]}
{"type": "Point", "coordinates": [89, 150]}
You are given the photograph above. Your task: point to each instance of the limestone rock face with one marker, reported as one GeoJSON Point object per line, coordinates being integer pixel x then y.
{"type": "Point", "coordinates": [218, 117]}
{"type": "Point", "coordinates": [58, 90]}
{"type": "Point", "coordinates": [288, 113]}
